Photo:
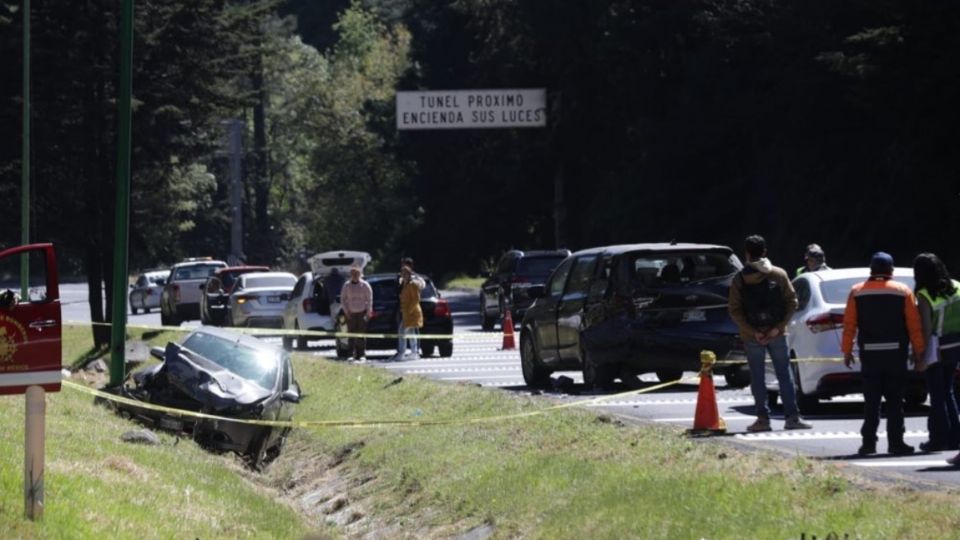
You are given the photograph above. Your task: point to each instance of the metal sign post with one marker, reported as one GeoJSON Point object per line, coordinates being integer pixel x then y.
{"type": "Point", "coordinates": [34, 450]}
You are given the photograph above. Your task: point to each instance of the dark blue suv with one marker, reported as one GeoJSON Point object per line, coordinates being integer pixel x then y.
{"type": "Point", "coordinates": [619, 311]}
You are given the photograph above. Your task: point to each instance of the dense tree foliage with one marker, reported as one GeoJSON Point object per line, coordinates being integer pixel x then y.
{"type": "Point", "coordinates": [803, 120]}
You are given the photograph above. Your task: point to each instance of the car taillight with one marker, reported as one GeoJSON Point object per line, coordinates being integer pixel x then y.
{"type": "Point", "coordinates": [825, 322]}
{"type": "Point", "coordinates": [308, 305]}
{"type": "Point", "coordinates": [442, 309]}
{"type": "Point", "coordinates": [243, 299]}
{"type": "Point", "coordinates": [176, 293]}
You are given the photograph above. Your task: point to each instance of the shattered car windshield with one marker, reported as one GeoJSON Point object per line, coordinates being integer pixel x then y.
{"type": "Point", "coordinates": [255, 365]}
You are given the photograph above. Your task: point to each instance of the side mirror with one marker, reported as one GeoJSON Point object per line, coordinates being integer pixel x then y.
{"type": "Point", "coordinates": [537, 291]}
{"type": "Point", "coordinates": [157, 352]}
{"type": "Point", "coordinates": [290, 396]}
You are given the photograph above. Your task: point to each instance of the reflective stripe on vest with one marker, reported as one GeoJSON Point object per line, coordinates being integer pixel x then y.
{"type": "Point", "coordinates": [887, 346]}
{"type": "Point", "coordinates": [946, 312]}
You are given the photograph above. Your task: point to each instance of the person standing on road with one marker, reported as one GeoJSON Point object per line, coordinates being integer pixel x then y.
{"type": "Point", "coordinates": [814, 260]}
{"type": "Point", "coordinates": [938, 300]}
{"type": "Point", "coordinates": [882, 314]}
{"type": "Point", "coordinates": [762, 300]}
{"type": "Point", "coordinates": [333, 284]}
{"type": "Point", "coordinates": [356, 297]}
{"type": "Point", "coordinates": [410, 312]}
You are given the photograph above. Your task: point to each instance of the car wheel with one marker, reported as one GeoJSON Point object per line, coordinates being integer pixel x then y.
{"type": "Point", "coordinates": [669, 375]}
{"type": "Point", "coordinates": [427, 347]}
{"type": "Point", "coordinates": [133, 310]}
{"type": "Point", "coordinates": [595, 375]}
{"type": "Point", "coordinates": [146, 310]}
{"type": "Point", "coordinates": [301, 340]}
{"type": "Point", "coordinates": [342, 344]}
{"type": "Point", "coordinates": [535, 374]}
{"type": "Point", "coordinates": [446, 348]}
{"type": "Point", "coordinates": [738, 378]}
{"type": "Point", "coordinates": [486, 322]}
{"type": "Point", "coordinates": [805, 402]}
{"type": "Point", "coordinates": [258, 451]}
{"type": "Point", "coordinates": [914, 397]}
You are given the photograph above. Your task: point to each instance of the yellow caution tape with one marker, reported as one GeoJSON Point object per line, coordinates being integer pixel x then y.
{"type": "Point", "coordinates": [361, 423]}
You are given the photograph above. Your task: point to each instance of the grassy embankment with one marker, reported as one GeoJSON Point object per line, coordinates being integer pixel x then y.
{"type": "Point", "coordinates": [566, 474]}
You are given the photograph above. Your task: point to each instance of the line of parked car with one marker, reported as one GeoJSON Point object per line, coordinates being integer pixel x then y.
{"type": "Point", "coordinates": [254, 296]}
{"type": "Point", "coordinates": [618, 311]}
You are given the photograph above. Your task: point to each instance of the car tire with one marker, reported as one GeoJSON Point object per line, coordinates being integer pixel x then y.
{"type": "Point", "coordinates": [535, 374]}
{"type": "Point", "coordinates": [258, 451]}
{"type": "Point", "coordinates": [739, 378]}
{"type": "Point", "coordinates": [805, 403]}
{"type": "Point", "coordinates": [669, 375]}
{"type": "Point", "coordinates": [301, 340]}
{"type": "Point", "coordinates": [596, 376]}
{"type": "Point", "coordinates": [146, 310]}
{"type": "Point", "coordinates": [427, 347]}
{"type": "Point", "coordinates": [445, 348]}
{"type": "Point", "coordinates": [133, 310]}
{"type": "Point", "coordinates": [486, 322]}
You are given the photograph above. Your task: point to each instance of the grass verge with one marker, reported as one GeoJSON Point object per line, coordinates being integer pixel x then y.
{"type": "Point", "coordinates": [462, 281]}
{"type": "Point", "coordinates": [565, 474]}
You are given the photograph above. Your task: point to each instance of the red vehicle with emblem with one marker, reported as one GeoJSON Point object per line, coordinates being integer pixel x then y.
{"type": "Point", "coordinates": [30, 323]}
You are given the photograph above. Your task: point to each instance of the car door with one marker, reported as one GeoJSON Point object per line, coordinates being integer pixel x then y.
{"type": "Point", "coordinates": [30, 321]}
{"type": "Point", "coordinates": [296, 296]}
{"type": "Point", "coordinates": [544, 313]}
{"type": "Point", "coordinates": [570, 307]}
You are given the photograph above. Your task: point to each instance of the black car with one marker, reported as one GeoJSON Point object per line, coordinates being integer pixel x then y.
{"type": "Point", "coordinates": [223, 374]}
{"type": "Point", "coordinates": [507, 286]}
{"type": "Point", "coordinates": [623, 310]}
{"type": "Point", "coordinates": [437, 318]}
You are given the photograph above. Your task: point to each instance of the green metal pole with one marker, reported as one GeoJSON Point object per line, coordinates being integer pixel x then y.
{"type": "Point", "coordinates": [25, 159]}
{"type": "Point", "coordinates": [122, 223]}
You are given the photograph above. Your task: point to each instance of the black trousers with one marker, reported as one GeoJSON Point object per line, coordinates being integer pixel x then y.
{"type": "Point", "coordinates": [884, 379]}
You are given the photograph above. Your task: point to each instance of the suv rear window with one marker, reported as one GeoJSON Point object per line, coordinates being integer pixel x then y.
{"type": "Point", "coordinates": [337, 261]}
{"type": "Point", "coordinates": [538, 266]}
{"type": "Point", "coordinates": [670, 268]}
{"type": "Point", "coordinates": [197, 271]}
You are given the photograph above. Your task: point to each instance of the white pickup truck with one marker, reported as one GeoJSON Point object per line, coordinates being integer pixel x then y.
{"type": "Point", "coordinates": [180, 299]}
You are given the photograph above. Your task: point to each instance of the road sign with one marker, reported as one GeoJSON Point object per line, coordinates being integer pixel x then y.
{"type": "Point", "coordinates": [472, 109]}
{"type": "Point", "coordinates": [30, 335]}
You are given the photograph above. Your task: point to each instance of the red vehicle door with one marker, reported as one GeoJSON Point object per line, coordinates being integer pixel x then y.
{"type": "Point", "coordinates": [29, 323]}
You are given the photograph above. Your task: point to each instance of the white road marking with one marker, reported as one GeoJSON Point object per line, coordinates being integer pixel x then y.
{"type": "Point", "coordinates": [817, 435]}
{"type": "Point", "coordinates": [901, 463]}
{"type": "Point", "coordinates": [481, 377]}
{"type": "Point", "coordinates": [668, 402]}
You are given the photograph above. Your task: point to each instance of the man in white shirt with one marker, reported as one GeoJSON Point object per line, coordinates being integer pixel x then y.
{"type": "Point", "coordinates": [356, 299]}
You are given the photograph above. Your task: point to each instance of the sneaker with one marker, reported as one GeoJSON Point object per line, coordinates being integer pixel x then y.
{"type": "Point", "coordinates": [900, 449]}
{"type": "Point", "coordinates": [794, 422]}
{"type": "Point", "coordinates": [866, 449]}
{"type": "Point", "coordinates": [761, 424]}
{"type": "Point", "coordinates": [955, 460]}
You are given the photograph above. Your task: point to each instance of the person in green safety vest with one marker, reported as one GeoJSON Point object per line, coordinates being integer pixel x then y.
{"type": "Point", "coordinates": [815, 260]}
{"type": "Point", "coordinates": [938, 298]}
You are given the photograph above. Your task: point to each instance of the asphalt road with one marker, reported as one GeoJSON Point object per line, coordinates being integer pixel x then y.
{"type": "Point", "coordinates": [477, 358]}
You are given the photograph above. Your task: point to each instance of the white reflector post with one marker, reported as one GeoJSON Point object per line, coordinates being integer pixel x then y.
{"type": "Point", "coordinates": [34, 452]}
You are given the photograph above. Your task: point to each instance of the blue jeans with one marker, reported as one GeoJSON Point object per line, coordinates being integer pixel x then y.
{"type": "Point", "coordinates": [756, 354]}
{"type": "Point", "coordinates": [942, 423]}
{"type": "Point", "coordinates": [409, 337]}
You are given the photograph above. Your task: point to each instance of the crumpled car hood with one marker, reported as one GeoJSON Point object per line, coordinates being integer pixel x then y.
{"type": "Point", "coordinates": [206, 382]}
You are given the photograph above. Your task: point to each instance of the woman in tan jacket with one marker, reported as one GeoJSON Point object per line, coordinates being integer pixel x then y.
{"type": "Point", "coordinates": [410, 312]}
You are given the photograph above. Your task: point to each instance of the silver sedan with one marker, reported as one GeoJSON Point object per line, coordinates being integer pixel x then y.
{"type": "Point", "coordinates": [145, 292]}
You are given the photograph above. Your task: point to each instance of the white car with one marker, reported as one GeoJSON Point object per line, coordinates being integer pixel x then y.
{"type": "Point", "coordinates": [145, 292]}
{"type": "Point", "coordinates": [258, 298]}
{"type": "Point", "coordinates": [815, 333]}
{"type": "Point", "coordinates": [311, 307]}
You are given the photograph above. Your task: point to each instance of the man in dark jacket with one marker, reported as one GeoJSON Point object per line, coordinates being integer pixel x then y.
{"type": "Point", "coordinates": [762, 300]}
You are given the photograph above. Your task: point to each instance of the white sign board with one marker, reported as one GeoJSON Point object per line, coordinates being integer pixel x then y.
{"type": "Point", "coordinates": [472, 109]}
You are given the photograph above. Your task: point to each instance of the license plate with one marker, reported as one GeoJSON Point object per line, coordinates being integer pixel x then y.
{"type": "Point", "coordinates": [694, 315]}
{"type": "Point", "coordinates": [273, 299]}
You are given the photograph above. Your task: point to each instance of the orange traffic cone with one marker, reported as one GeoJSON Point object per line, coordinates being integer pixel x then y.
{"type": "Point", "coordinates": [507, 325]}
{"type": "Point", "coordinates": [707, 419]}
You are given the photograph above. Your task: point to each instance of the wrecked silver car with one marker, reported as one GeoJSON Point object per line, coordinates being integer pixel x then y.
{"type": "Point", "coordinates": [221, 373]}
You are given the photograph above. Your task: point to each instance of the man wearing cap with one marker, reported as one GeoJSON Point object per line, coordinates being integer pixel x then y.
{"type": "Point", "coordinates": [356, 298]}
{"type": "Point", "coordinates": [882, 314]}
{"type": "Point", "coordinates": [815, 260]}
